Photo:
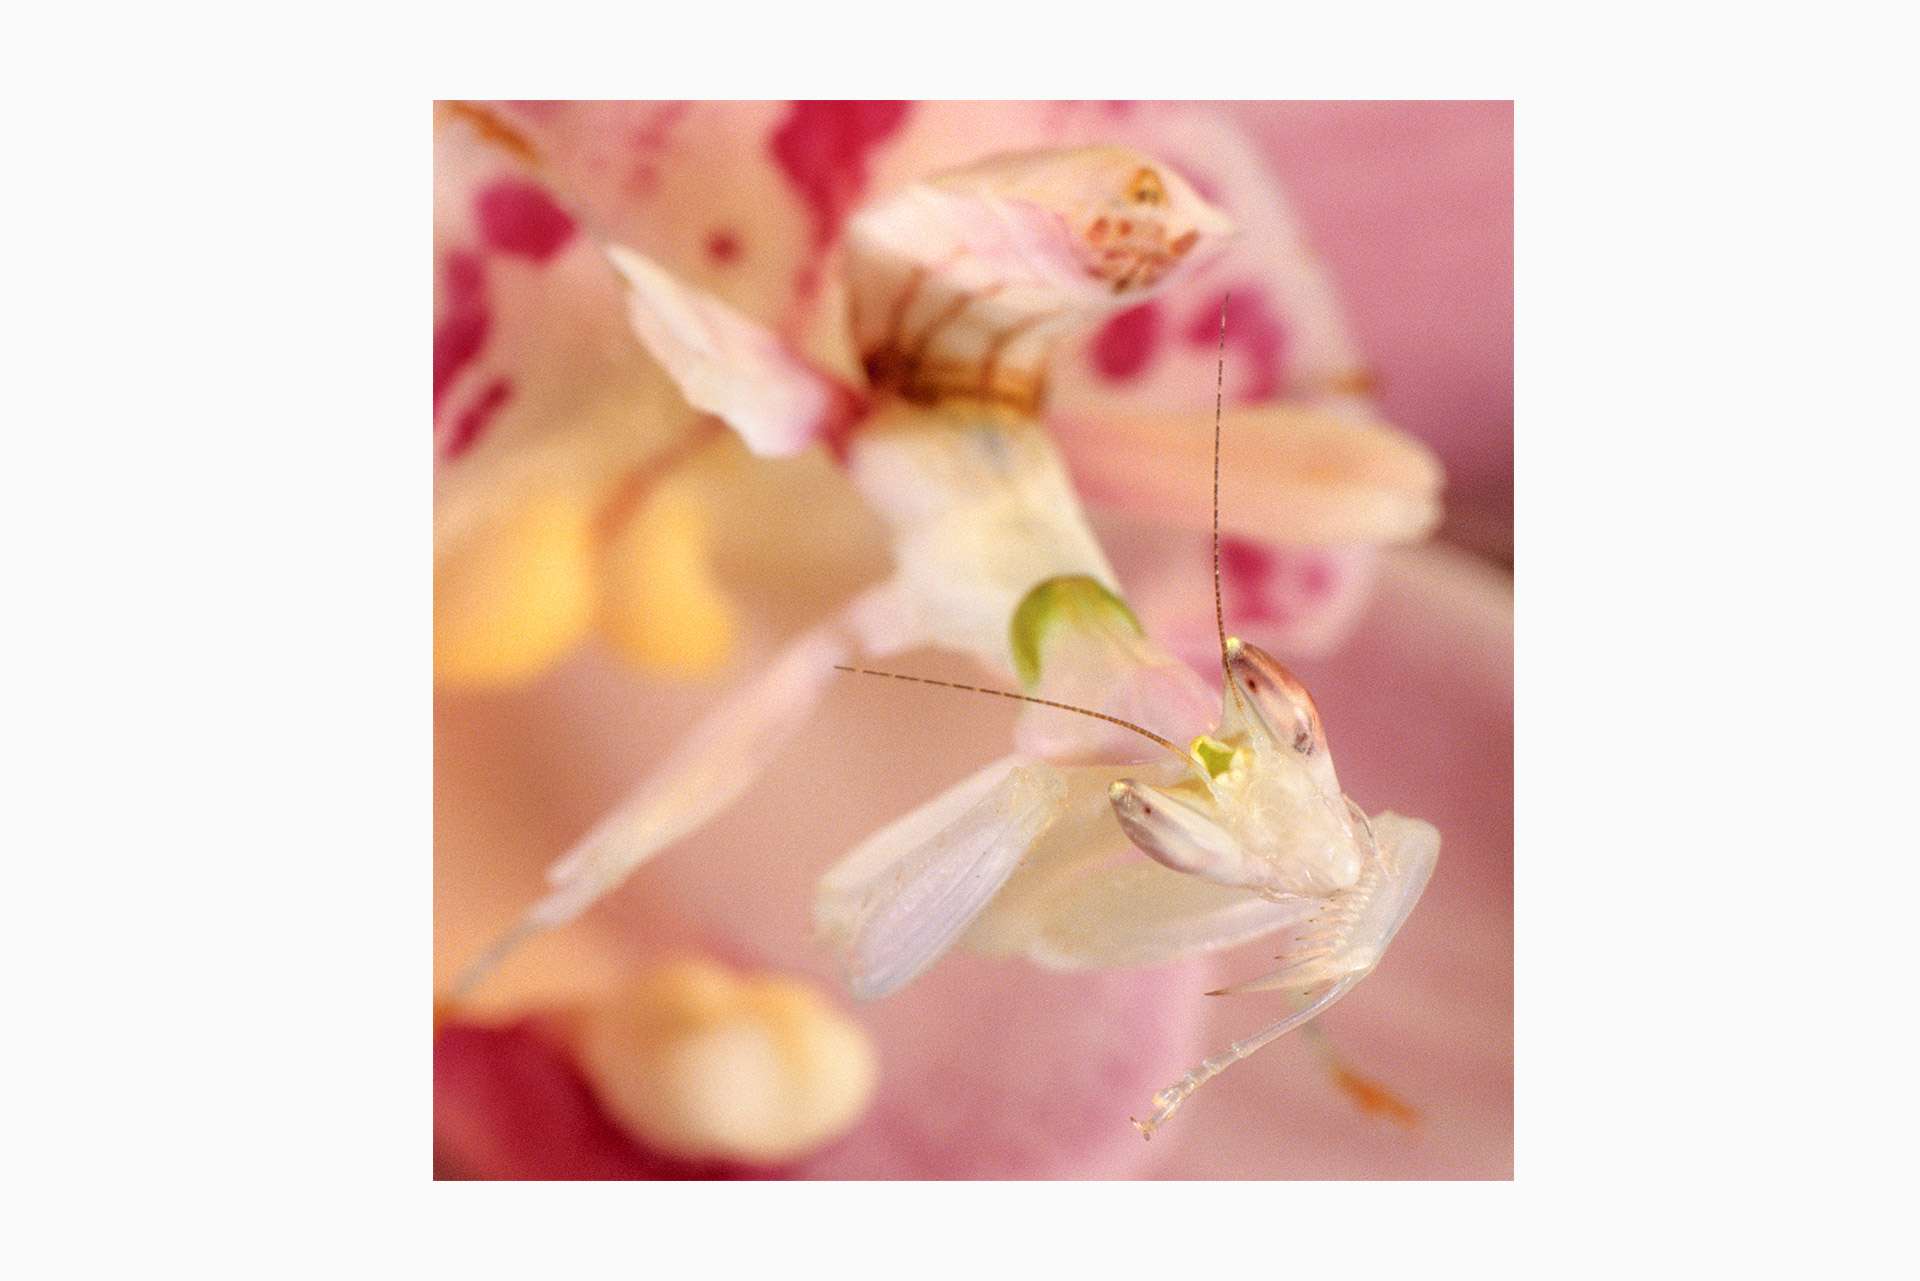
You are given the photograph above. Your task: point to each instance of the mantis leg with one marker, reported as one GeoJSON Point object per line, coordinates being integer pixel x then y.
{"type": "Point", "coordinates": [715, 764]}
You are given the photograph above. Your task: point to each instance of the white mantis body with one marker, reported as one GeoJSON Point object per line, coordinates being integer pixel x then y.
{"type": "Point", "coordinates": [959, 287]}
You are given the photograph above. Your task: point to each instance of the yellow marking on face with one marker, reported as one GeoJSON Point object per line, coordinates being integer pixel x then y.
{"type": "Point", "coordinates": [1215, 757]}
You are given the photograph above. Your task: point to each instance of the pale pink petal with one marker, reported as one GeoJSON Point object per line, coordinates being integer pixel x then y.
{"type": "Point", "coordinates": [538, 386]}
{"type": "Point", "coordinates": [1304, 498]}
{"type": "Point", "coordinates": [1287, 336]}
{"type": "Point", "coordinates": [1287, 475]}
{"type": "Point", "coordinates": [1411, 204]}
{"type": "Point", "coordinates": [729, 365]}
{"type": "Point", "coordinates": [1291, 601]}
{"type": "Point", "coordinates": [963, 283]}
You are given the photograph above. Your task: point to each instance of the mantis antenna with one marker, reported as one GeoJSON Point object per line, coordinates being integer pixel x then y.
{"type": "Point", "coordinates": [1219, 613]}
{"type": "Point", "coordinates": [1023, 698]}
{"type": "Point", "coordinates": [1219, 383]}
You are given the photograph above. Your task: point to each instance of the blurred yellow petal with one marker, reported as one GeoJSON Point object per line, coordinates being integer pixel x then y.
{"type": "Point", "coordinates": [703, 1063]}
{"type": "Point", "coordinates": [514, 595]}
{"type": "Point", "coordinates": [660, 606]}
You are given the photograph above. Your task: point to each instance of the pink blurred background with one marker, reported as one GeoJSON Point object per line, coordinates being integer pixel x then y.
{"type": "Point", "coordinates": [991, 1068]}
{"type": "Point", "coordinates": [1411, 205]}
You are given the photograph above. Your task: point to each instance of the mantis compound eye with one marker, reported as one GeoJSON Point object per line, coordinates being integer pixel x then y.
{"type": "Point", "coordinates": [1276, 701]}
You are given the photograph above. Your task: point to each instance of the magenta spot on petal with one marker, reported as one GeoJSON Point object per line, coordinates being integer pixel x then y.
{"type": "Point", "coordinates": [1246, 575]}
{"type": "Point", "coordinates": [1254, 334]}
{"type": "Point", "coordinates": [473, 421]}
{"type": "Point", "coordinates": [649, 145]}
{"type": "Point", "coordinates": [1316, 578]}
{"type": "Point", "coordinates": [1128, 343]}
{"type": "Point", "coordinates": [508, 1103]}
{"type": "Point", "coordinates": [461, 330]}
{"type": "Point", "coordinates": [723, 246]}
{"type": "Point", "coordinates": [844, 418]}
{"type": "Point", "coordinates": [520, 218]}
{"type": "Point", "coordinates": [822, 147]}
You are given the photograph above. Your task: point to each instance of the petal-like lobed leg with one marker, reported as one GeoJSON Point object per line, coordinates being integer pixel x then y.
{"type": "Point", "coordinates": [714, 765]}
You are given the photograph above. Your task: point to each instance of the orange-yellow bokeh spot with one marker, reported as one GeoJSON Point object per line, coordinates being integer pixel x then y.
{"type": "Point", "coordinates": [702, 1062]}
{"type": "Point", "coordinates": [660, 607]}
{"type": "Point", "coordinates": [1375, 1099]}
{"type": "Point", "coordinates": [516, 595]}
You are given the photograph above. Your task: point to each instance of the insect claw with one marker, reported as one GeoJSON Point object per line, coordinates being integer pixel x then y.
{"type": "Point", "coordinates": [1301, 971]}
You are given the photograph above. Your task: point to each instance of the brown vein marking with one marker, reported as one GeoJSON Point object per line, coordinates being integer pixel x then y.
{"type": "Point", "coordinates": [939, 380]}
{"type": "Point", "coordinates": [897, 319]}
{"type": "Point", "coordinates": [997, 346]}
{"type": "Point", "coordinates": [640, 480]}
{"type": "Point", "coordinates": [492, 128]}
{"type": "Point", "coordinates": [946, 316]}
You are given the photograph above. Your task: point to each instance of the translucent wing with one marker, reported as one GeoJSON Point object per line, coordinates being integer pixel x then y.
{"type": "Point", "coordinates": [902, 898]}
{"type": "Point", "coordinates": [1134, 913]}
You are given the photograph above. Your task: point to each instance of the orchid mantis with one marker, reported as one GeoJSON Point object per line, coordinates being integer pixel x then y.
{"type": "Point", "coordinates": [958, 289]}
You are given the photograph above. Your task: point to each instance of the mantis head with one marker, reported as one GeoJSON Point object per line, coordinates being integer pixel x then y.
{"type": "Point", "coordinates": [1261, 807]}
